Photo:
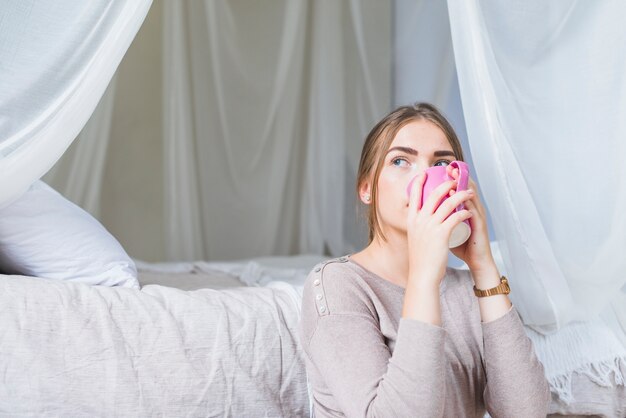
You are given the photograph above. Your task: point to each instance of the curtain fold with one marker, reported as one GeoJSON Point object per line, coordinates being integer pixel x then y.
{"type": "Point", "coordinates": [78, 174]}
{"type": "Point", "coordinates": [264, 116]}
{"type": "Point", "coordinates": [543, 90]}
{"type": "Point", "coordinates": [56, 60]}
{"type": "Point", "coordinates": [233, 128]}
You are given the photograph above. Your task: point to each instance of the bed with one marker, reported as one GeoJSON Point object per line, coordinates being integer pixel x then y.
{"type": "Point", "coordinates": [198, 339]}
{"type": "Point", "coordinates": [191, 342]}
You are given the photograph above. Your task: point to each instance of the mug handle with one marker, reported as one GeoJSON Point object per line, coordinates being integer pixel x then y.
{"type": "Point", "coordinates": [463, 174]}
{"type": "Point", "coordinates": [463, 177]}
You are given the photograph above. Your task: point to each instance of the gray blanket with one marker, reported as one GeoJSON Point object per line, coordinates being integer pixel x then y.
{"type": "Point", "coordinates": [68, 349]}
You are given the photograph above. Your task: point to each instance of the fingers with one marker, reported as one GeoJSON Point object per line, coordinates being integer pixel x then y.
{"type": "Point", "coordinates": [471, 184]}
{"type": "Point", "coordinates": [437, 195]}
{"type": "Point", "coordinates": [452, 172]}
{"type": "Point", "coordinates": [416, 192]}
{"type": "Point", "coordinates": [475, 206]}
{"type": "Point", "coordinates": [452, 202]}
{"type": "Point", "coordinates": [456, 218]}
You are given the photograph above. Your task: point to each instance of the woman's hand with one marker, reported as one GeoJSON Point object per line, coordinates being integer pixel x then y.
{"type": "Point", "coordinates": [428, 230]}
{"type": "Point", "coordinates": [476, 251]}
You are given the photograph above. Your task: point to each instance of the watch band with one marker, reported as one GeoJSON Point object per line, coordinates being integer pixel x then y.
{"type": "Point", "coordinates": [501, 289]}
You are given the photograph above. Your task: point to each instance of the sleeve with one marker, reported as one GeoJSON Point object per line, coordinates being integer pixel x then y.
{"type": "Point", "coordinates": [366, 380]}
{"type": "Point", "coordinates": [516, 383]}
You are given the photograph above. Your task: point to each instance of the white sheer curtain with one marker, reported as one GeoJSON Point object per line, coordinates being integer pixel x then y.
{"type": "Point", "coordinates": [266, 108]}
{"type": "Point", "coordinates": [56, 59]}
{"type": "Point", "coordinates": [543, 86]}
{"type": "Point", "coordinates": [544, 92]}
{"type": "Point", "coordinates": [78, 174]}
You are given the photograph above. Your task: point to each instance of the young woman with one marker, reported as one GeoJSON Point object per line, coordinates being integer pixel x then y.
{"type": "Point", "coordinates": [391, 331]}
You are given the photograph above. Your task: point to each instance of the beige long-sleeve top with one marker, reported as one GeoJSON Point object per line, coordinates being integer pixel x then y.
{"type": "Point", "coordinates": [364, 360]}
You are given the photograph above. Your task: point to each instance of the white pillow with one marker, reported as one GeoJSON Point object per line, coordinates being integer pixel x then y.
{"type": "Point", "coordinates": [42, 234]}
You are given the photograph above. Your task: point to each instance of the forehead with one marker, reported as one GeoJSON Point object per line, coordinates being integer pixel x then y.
{"type": "Point", "coordinates": [421, 135]}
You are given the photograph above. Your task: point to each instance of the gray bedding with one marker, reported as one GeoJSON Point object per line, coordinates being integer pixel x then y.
{"type": "Point", "coordinates": [190, 281]}
{"type": "Point", "coordinates": [68, 349]}
{"type": "Point", "coordinates": [193, 342]}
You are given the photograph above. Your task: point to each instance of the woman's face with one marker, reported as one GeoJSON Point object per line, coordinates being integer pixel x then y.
{"type": "Point", "coordinates": [417, 146]}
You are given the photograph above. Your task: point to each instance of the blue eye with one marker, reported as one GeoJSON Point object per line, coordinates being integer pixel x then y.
{"type": "Point", "coordinates": [399, 162]}
{"type": "Point", "coordinates": [447, 162]}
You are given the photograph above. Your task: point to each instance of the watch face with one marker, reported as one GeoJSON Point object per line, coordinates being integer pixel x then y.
{"type": "Point", "coordinates": [505, 285]}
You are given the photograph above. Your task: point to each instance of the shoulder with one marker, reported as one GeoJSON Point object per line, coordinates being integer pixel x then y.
{"type": "Point", "coordinates": [334, 287]}
{"type": "Point", "coordinates": [335, 291]}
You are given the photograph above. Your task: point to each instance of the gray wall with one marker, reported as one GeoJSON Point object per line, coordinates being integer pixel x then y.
{"type": "Point", "coordinates": [132, 180]}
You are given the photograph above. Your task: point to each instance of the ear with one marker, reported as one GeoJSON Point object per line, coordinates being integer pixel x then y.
{"type": "Point", "coordinates": [365, 194]}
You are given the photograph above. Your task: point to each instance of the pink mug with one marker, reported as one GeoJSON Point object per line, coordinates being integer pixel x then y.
{"type": "Point", "coordinates": [434, 177]}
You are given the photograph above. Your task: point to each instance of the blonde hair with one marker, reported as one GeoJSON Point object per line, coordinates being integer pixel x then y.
{"type": "Point", "coordinates": [378, 142]}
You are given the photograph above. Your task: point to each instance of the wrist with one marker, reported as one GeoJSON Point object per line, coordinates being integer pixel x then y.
{"type": "Point", "coordinates": [483, 266]}
{"type": "Point", "coordinates": [422, 302]}
{"type": "Point", "coordinates": [486, 277]}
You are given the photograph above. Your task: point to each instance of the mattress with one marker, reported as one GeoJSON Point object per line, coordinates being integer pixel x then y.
{"type": "Point", "coordinates": [191, 342]}
{"type": "Point", "coordinates": [190, 281]}
{"type": "Point", "coordinates": [198, 339]}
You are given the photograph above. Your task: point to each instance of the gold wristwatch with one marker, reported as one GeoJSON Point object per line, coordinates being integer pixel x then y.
{"type": "Point", "coordinates": [501, 289]}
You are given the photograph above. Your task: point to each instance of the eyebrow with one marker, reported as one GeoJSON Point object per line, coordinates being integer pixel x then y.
{"type": "Point", "coordinates": [412, 151]}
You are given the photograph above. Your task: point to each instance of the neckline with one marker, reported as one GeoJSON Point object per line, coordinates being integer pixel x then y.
{"type": "Point", "coordinates": [375, 276]}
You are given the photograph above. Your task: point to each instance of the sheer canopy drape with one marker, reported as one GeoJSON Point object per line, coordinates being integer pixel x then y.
{"type": "Point", "coordinates": [543, 86]}
{"type": "Point", "coordinates": [78, 174]}
{"type": "Point", "coordinates": [56, 60]}
{"type": "Point", "coordinates": [266, 109]}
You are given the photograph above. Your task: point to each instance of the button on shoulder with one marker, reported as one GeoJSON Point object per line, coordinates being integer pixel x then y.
{"type": "Point", "coordinates": [320, 274]}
